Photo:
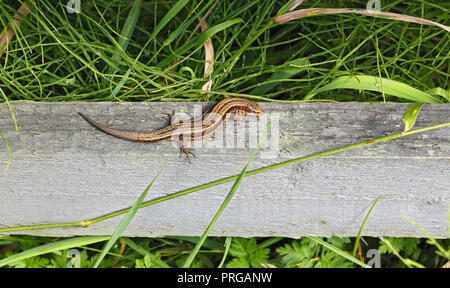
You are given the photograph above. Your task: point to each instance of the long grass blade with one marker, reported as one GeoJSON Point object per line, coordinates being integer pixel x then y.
{"type": "Point", "coordinates": [198, 41]}
{"type": "Point", "coordinates": [127, 32]}
{"type": "Point", "coordinates": [408, 262]}
{"type": "Point", "coordinates": [8, 33]}
{"type": "Point", "coordinates": [339, 252]}
{"type": "Point", "coordinates": [289, 70]}
{"type": "Point", "coordinates": [126, 220]}
{"type": "Point", "coordinates": [9, 152]}
{"type": "Point", "coordinates": [430, 238]}
{"type": "Point", "coordinates": [53, 247]}
{"type": "Point", "coordinates": [167, 18]}
{"type": "Point", "coordinates": [144, 252]}
{"type": "Point", "coordinates": [228, 241]}
{"type": "Point", "coordinates": [10, 109]}
{"type": "Point", "coordinates": [358, 237]}
{"type": "Point", "coordinates": [225, 202]}
{"type": "Point", "coordinates": [438, 91]}
{"type": "Point", "coordinates": [382, 85]}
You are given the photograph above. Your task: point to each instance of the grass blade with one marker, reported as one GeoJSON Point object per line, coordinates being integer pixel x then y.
{"type": "Point", "coordinates": [125, 221]}
{"type": "Point", "coordinates": [10, 109]}
{"type": "Point", "coordinates": [209, 243]}
{"type": "Point", "coordinates": [53, 247]}
{"type": "Point", "coordinates": [339, 252]}
{"type": "Point", "coordinates": [144, 252]}
{"type": "Point", "coordinates": [198, 41]}
{"type": "Point", "coordinates": [410, 116]}
{"type": "Point", "coordinates": [172, 13]}
{"type": "Point", "coordinates": [408, 262]}
{"type": "Point", "coordinates": [358, 237]}
{"type": "Point", "coordinates": [225, 202]}
{"type": "Point", "coordinates": [9, 152]}
{"type": "Point", "coordinates": [382, 85]}
{"type": "Point", "coordinates": [438, 91]}
{"type": "Point", "coordinates": [292, 68]}
{"type": "Point", "coordinates": [127, 32]}
{"type": "Point", "coordinates": [8, 33]}
{"type": "Point", "coordinates": [228, 241]}
{"type": "Point", "coordinates": [430, 238]}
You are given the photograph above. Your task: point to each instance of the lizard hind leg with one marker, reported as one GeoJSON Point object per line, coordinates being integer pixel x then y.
{"type": "Point", "coordinates": [186, 151]}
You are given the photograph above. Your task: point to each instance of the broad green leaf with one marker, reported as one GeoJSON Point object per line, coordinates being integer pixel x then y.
{"type": "Point", "coordinates": [382, 85]}
{"type": "Point", "coordinates": [409, 119]}
{"type": "Point", "coordinates": [295, 253]}
{"type": "Point", "coordinates": [53, 247]}
{"type": "Point", "coordinates": [438, 91]}
{"type": "Point", "coordinates": [287, 71]}
{"type": "Point", "coordinates": [125, 221]}
{"type": "Point", "coordinates": [248, 252]}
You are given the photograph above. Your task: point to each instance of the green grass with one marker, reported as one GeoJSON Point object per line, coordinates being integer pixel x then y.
{"type": "Point", "coordinates": [107, 53]}
{"type": "Point", "coordinates": [253, 252]}
{"type": "Point", "coordinates": [57, 56]}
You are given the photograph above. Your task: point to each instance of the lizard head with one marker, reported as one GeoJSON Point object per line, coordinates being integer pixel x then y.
{"type": "Point", "coordinates": [254, 108]}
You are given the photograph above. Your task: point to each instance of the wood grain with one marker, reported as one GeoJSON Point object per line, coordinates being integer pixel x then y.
{"type": "Point", "coordinates": [64, 170]}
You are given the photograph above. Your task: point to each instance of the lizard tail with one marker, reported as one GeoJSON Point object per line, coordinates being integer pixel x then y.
{"type": "Point", "coordinates": [122, 134]}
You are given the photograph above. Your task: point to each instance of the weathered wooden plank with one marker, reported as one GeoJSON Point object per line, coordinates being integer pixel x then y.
{"type": "Point", "coordinates": [64, 170]}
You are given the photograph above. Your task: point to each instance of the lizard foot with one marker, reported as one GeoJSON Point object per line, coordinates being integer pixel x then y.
{"type": "Point", "coordinates": [187, 151]}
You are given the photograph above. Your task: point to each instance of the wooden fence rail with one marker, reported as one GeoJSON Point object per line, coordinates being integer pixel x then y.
{"type": "Point", "coordinates": [64, 170]}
